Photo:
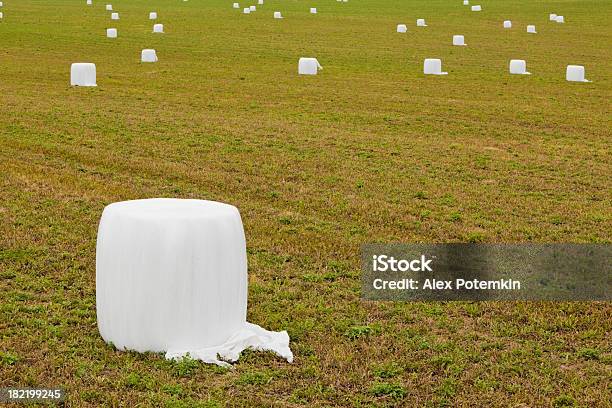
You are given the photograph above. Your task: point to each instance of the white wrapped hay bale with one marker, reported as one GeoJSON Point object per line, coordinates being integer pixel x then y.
{"type": "Point", "coordinates": [83, 74]}
{"type": "Point", "coordinates": [560, 19]}
{"type": "Point", "coordinates": [111, 33]}
{"type": "Point", "coordinates": [247, 10]}
{"type": "Point", "coordinates": [518, 67]}
{"type": "Point", "coordinates": [148, 55]}
{"type": "Point", "coordinates": [115, 16]}
{"type": "Point", "coordinates": [253, 8]}
{"type": "Point", "coordinates": [476, 8]}
{"type": "Point", "coordinates": [158, 28]}
{"type": "Point", "coordinates": [531, 29]}
{"type": "Point", "coordinates": [89, 2]}
{"type": "Point", "coordinates": [421, 22]}
{"type": "Point", "coordinates": [313, 10]}
{"type": "Point", "coordinates": [575, 73]}
{"type": "Point", "coordinates": [277, 14]}
{"type": "Point", "coordinates": [402, 28]}
{"type": "Point", "coordinates": [153, 15]}
{"type": "Point", "coordinates": [171, 276]}
{"type": "Point", "coordinates": [466, 2]}
{"type": "Point", "coordinates": [308, 66]}
{"type": "Point", "coordinates": [459, 40]}
{"type": "Point", "coordinates": [507, 24]}
{"type": "Point", "coordinates": [109, 7]}
{"type": "Point", "coordinates": [552, 16]}
{"type": "Point", "coordinates": [433, 66]}
{"type": "Point", "coordinates": [236, 5]}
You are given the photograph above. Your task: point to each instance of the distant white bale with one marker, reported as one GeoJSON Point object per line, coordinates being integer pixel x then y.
{"type": "Point", "coordinates": [236, 5]}
{"type": "Point", "coordinates": [421, 22]}
{"type": "Point", "coordinates": [575, 73]}
{"type": "Point", "coordinates": [111, 32]}
{"type": "Point", "coordinates": [260, 2]}
{"type": "Point", "coordinates": [83, 74]}
{"type": "Point", "coordinates": [531, 29]}
{"type": "Point", "coordinates": [507, 24]}
{"type": "Point", "coordinates": [345, 1]}
{"type": "Point", "coordinates": [153, 15]}
{"type": "Point", "coordinates": [560, 19]}
{"type": "Point", "coordinates": [401, 28]}
{"type": "Point", "coordinates": [1, 4]}
{"type": "Point", "coordinates": [158, 28]}
{"type": "Point", "coordinates": [277, 14]}
{"type": "Point", "coordinates": [252, 8]}
{"type": "Point", "coordinates": [476, 8]}
{"type": "Point", "coordinates": [247, 10]}
{"type": "Point", "coordinates": [552, 16]}
{"type": "Point", "coordinates": [459, 40]}
{"type": "Point", "coordinates": [89, 2]}
{"type": "Point", "coordinates": [433, 66]}
{"type": "Point", "coordinates": [148, 55]}
{"type": "Point", "coordinates": [466, 2]}
{"type": "Point", "coordinates": [308, 66]}
{"type": "Point", "coordinates": [518, 67]}
{"type": "Point", "coordinates": [115, 16]}
{"type": "Point", "coordinates": [109, 7]}
{"type": "Point", "coordinates": [313, 10]}
{"type": "Point", "coordinates": [1, 15]}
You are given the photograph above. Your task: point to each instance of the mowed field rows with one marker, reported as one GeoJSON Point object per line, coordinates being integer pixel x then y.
{"type": "Point", "coordinates": [368, 150]}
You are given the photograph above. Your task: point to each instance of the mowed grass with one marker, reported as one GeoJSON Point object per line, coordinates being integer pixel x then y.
{"type": "Point", "coordinates": [370, 150]}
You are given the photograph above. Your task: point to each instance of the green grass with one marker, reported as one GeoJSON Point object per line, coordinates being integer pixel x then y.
{"type": "Point", "coordinates": [370, 150]}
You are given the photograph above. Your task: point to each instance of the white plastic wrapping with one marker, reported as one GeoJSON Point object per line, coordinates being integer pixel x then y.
{"type": "Point", "coordinates": [83, 74]}
{"type": "Point", "coordinates": [114, 16]}
{"type": "Point", "coordinates": [476, 8]}
{"type": "Point", "coordinates": [518, 67]}
{"type": "Point", "coordinates": [401, 28]}
{"type": "Point", "coordinates": [313, 10]}
{"type": "Point", "coordinates": [148, 55]}
{"type": "Point", "coordinates": [308, 66]}
{"type": "Point", "coordinates": [111, 32]}
{"type": "Point", "coordinates": [575, 73]}
{"type": "Point", "coordinates": [153, 15]}
{"type": "Point", "coordinates": [236, 5]}
{"type": "Point", "coordinates": [459, 40]}
{"type": "Point", "coordinates": [531, 29]}
{"type": "Point", "coordinates": [433, 66]}
{"type": "Point", "coordinates": [507, 24]}
{"type": "Point", "coordinates": [109, 7]}
{"type": "Point", "coordinates": [277, 14]}
{"type": "Point", "coordinates": [158, 28]}
{"type": "Point", "coordinates": [421, 22]}
{"type": "Point", "coordinates": [171, 276]}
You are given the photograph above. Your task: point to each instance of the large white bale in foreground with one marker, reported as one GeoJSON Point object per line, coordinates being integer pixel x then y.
{"type": "Point", "coordinates": [518, 67]}
{"type": "Point", "coordinates": [308, 66]}
{"type": "Point", "coordinates": [158, 28]}
{"type": "Point", "coordinates": [111, 33]}
{"type": "Point", "coordinates": [148, 55]}
{"type": "Point", "coordinates": [459, 40]}
{"type": "Point", "coordinates": [433, 66]}
{"type": "Point", "coordinates": [171, 276]}
{"type": "Point", "coordinates": [575, 73]}
{"type": "Point", "coordinates": [83, 74]}
{"type": "Point", "coordinates": [401, 28]}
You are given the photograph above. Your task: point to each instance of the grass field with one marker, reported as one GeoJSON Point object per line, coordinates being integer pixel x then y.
{"type": "Point", "coordinates": [369, 150]}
